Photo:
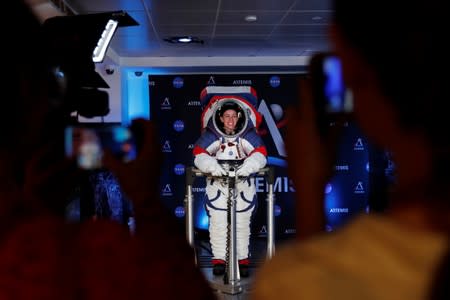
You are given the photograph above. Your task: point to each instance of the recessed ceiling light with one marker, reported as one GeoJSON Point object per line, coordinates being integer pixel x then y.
{"type": "Point", "coordinates": [183, 40]}
{"type": "Point", "coordinates": [251, 18]}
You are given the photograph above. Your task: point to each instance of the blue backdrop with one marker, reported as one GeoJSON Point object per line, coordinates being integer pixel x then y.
{"type": "Point", "coordinates": [175, 105]}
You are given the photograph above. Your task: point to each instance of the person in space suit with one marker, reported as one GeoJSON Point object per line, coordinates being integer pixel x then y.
{"type": "Point", "coordinates": [230, 139]}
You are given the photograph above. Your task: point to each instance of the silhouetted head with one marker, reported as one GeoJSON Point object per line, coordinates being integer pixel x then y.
{"type": "Point", "coordinates": [395, 60]}
{"type": "Point", "coordinates": [27, 113]}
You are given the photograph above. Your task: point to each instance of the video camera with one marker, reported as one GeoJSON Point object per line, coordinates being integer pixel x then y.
{"type": "Point", "coordinates": [75, 43]}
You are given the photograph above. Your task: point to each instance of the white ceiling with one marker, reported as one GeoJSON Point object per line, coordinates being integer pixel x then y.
{"type": "Point", "coordinates": [284, 28]}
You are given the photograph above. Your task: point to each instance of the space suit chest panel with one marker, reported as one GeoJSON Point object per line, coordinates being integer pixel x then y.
{"type": "Point", "coordinates": [230, 150]}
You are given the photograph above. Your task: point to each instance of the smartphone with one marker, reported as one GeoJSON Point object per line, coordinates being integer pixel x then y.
{"type": "Point", "coordinates": [333, 100]}
{"type": "Point", "coordinates": [87, 144]}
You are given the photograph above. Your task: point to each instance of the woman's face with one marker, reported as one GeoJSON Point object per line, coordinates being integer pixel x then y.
{"type": "Point", "coordinates": [229, 120]}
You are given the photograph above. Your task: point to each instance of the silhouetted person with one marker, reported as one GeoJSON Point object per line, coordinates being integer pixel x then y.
{"type": "Point", "coordinates": [41, 255]}
{"type": "Point", "coordinates": [398, 72]}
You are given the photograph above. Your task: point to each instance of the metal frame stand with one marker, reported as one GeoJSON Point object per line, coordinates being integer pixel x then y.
{"type": "Point", "coordinates": [270, 179]}
{"type": "Point", "coordinates": [231, 280]}
{"type": "Point", "coordinates": [189, 210]}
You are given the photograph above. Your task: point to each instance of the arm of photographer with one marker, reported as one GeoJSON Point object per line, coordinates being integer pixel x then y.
{"type": "Point", "coordinates": [310, 162]}
{"type": "Point", "coordinates": [166, 257]}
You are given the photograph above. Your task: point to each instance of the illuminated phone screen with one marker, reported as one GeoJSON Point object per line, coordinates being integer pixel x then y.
{"type": "Point", "coordinates": [86, 144]}
{"type": "Point", "coordinates": [338, 97]}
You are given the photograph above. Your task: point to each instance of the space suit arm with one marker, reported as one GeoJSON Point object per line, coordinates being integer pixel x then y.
{"type": "Point", "coordinates": [256, 154]}
{"type": "Point", "coordinates": [208, 164]}
{"type": "Point", "coordinates": [205, 148]}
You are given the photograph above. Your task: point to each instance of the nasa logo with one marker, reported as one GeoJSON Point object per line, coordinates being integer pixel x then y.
{"type": "Point", "coordinates": [178, 125]}
{"type": "Point", "coordinates": [179, 211]}
{"type": "Point", "coordinates": [328, 188]}
{"type": "Point", "coordinates": [179, 169]}
{"type": "Point", "coordinates": [274, 81]}
{"type": "Point", "coordinates": [178, 82]}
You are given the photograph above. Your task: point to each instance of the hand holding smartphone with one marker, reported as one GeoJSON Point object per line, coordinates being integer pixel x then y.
{"type": "Point", "coordinates": [87, 144]}
{"type": "Point", "coordinates": [333, 101]}
{"type": "Point", "coordinates": [312, 139]}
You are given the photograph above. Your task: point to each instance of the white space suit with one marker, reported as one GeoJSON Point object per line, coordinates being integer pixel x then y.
{"type": "Point", "coordinates": [213, 152]}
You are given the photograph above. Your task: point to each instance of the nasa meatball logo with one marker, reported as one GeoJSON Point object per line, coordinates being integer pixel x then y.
{"type": "Point", "coordinates": [179, 211]}
{"type": "Point", "coordinates": [179, 169]}
{"type": "Point", "coordinates": [178, 82]}
{"type": "Point", "coordinates": [274, 81]}
{"type": "Point", "coordinates": [178, 125]}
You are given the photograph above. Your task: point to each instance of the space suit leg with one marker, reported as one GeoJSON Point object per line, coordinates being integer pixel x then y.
{"type": "Point", "coordinates": [216, 207]}
{"type": "Point", "coordinates": [243, 220]}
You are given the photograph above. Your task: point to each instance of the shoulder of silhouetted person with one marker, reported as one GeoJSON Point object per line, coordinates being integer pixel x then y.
{"type": "Point", "coordinates": [372, 257]}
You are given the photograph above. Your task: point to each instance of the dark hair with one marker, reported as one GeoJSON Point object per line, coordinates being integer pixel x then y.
{"type": "Point", "coordinates": [30, 81]}
{"type": "Point", "coordinates": [23, 67]}
{"type": "Point", "coordinates": [230, 105]}
{"type": "Point", "coordinates": [410, 61]}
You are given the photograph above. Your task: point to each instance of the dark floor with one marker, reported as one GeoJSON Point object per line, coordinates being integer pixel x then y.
{"type": "Point", "coordinates": [242, 290]}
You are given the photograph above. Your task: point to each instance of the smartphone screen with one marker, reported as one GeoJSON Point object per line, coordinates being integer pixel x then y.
{"type": "Point", "coordinates": [87, 144]}
{"type": "Point", "coordinates": [338, 98]}
{"type": "Point", "coordinates": [333, 100]}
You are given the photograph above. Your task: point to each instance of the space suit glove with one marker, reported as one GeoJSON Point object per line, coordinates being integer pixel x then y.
{"type": "Point", "coordinates": [244, 171]}
{"type": "Point", "coordinates": [217, 170]}
{"type": "Point", "coordinates": [252, 164]}
{"type": "Point", "coordinates": [208, 164]}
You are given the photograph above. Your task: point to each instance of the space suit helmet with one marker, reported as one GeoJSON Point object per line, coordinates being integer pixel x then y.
{"type": "Point", "coordinates": [233, 105]}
